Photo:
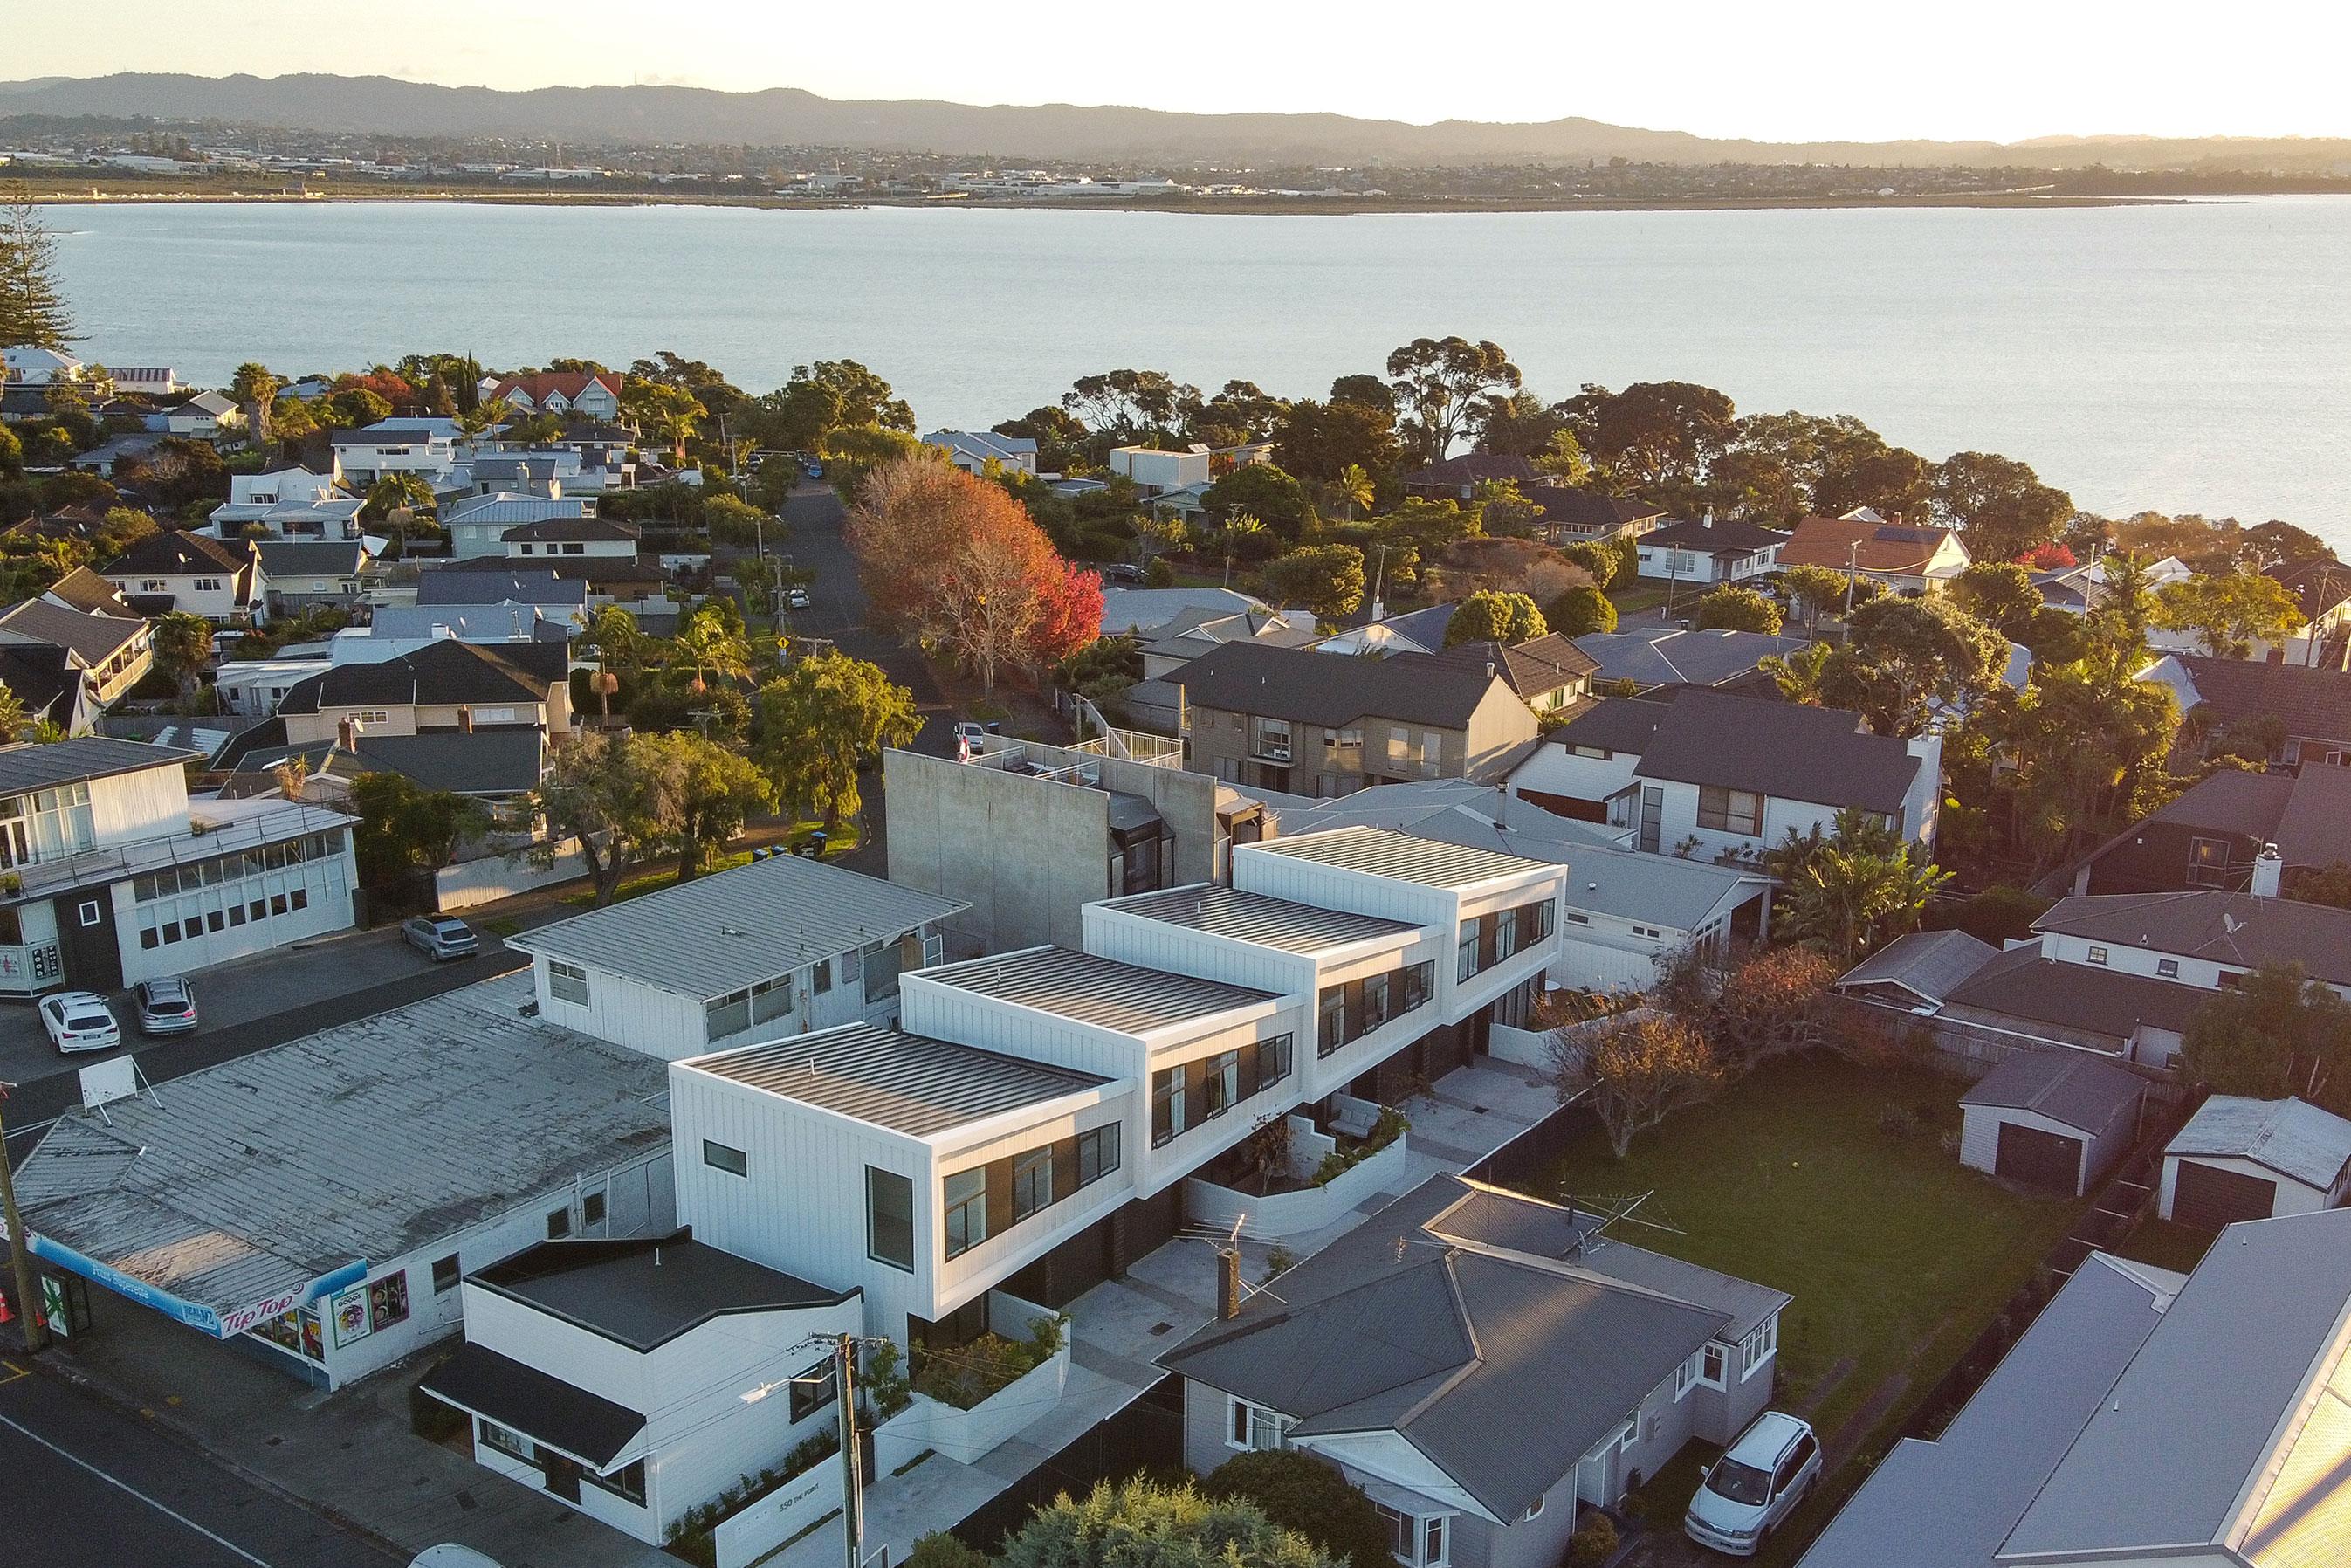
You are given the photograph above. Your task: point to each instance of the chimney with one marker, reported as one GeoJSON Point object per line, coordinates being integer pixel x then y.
{"type": "Point", "coordinates": [1707, 521]}
{"type": "Point", "coordinates": [1228, 1282]}
{"type": "Point", "coordinates": [347, 735]}
{"type": "Point", "coordinates": [2269, 870]}
{"type": "Point", "coordinates": [465, 720]}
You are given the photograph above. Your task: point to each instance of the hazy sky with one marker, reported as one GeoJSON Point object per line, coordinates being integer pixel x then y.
{"type": "Point", "coordinates": [1797, 70]}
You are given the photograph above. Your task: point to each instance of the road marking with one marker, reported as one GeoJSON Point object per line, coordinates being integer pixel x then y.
{"type": "Point", "coordinates": [14, 1372]}
{"type": "Point", "coordinates": [160, 1508]}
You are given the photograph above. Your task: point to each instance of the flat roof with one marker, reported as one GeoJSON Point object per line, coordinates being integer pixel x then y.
{"type": "Point", "coordinates": [249, 1180]}
{"type": "Point", "coordinates": [909, 1083]}
{"type": "Point", "coordinates": [719, 934]}
{"type": "Point", "coordinates": [30, 766]}
{"type": "Point", "coordinates": [1260, 918]}
{"type": "Point", "coordinates": [1126, 997]}
{"type": "Point", "coordinates": [646, 1292]}
{"type": "Point", "coordinates": [1405, 856]}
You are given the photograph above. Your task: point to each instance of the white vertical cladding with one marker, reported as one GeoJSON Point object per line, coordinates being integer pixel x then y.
{"type": "Point", "coordinates": [1327, 1074]}
{"type": "Point", "coordinates": [579, 1357]}
{"type": "Point", "coordinates": [801, 1206]}
{"type": "Point", "coordinates": [144, 804]}
{"type": "Point", "coordinates": [1133, 938]}
{"type": "Point", "coordinates": [627, 1012]}
{"type": "Point", "coordinates": [1259, 869]}
{"type": "Point", "coordinates": [1203, 1140]}
{"type": "Point", "coordinates": [965, 1017]}
{"type": "Point", "coordinates": [1012, 1245]}
{"type": "Point", "coordinates": [1539, 884]}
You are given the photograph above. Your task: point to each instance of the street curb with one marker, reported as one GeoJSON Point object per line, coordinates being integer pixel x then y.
{"type": "Point", "coordinates": [92, 1386]}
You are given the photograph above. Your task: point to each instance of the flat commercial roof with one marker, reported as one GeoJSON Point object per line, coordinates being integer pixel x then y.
{"type": "Point", "coordinates": [645, 1291]}
{"type": "Point", "coordinates": [1405, 856]}
{"type": "Point", "coordinates": [1260, 919]}
{"type": "Point", "coordinates": [719, 934]}
{"type": "Point", "coordinates": [909, 1083]}
{"type": "Point", "coordinates": [245, 1182]}
{"type": "Point", "coordinates": [1126, 997]}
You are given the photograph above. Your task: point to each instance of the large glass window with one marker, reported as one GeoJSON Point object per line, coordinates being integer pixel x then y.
{"type": "Point", "coordinates": [567, 982]}
{"type": "Point", "coordinates": [719, 1158]}
{"type": "Point", "coordinates": [1506, 934]}
{"type": "Point", "coordinates": [1166, 1105]}
{"type": "Point", "coordinates": [1255, 1427]}
{"type": "Point", "coordinates": [727, 1015]}
{"type": "Point", "coordinates": [812, 1390]}
{"type": "Point", "coordinates": [1534, 922]}
{"type": "Point", "coordinates": [1466, 949]}
{"type": "Point", "coordinates": [1419, 980]}
{"type": "Point", "coordinates": [1222, 1085]}
{"type": "Point", "coordinates": [1729, 811]}
{"type": "Point", "coordinates": [1331, 1020]}
{"type": "Point", "coordinates": [1032, 1182]}
{"type": "Point", "coordinates": [1269, 738]}
{"type": "Point", "coordinates": [1098, 1152]}
{"type": "Point", "coordinates": [965, 1196]}
{"type": "Point", "coordinates": [890, 1219]}
{"type": "Point", "coordinates": [1273, 1061]}
{"type": "Point", "coordinates": [627, 1483]}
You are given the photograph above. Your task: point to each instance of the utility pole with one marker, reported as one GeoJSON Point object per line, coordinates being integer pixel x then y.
{"type": "Point", "coordinates": [20, 1256]}
{"type": "Point", "coordinates": [853, 1488]}
{"type": "Point", "coordinates": [1852, 566]}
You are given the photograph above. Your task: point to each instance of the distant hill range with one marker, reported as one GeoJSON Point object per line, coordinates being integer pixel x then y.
{"type": "Point", "coordinates": [608, 116]}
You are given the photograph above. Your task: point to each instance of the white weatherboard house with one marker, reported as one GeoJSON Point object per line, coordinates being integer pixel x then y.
{"type": "Point", "coordinates": [612, 1375]}
{"type": "Point", "coordinates": [1414, 1351]}
{"type": "Point", "coordinates": [2254, 1159]}
{"type": "Point", "coordinates": [1709, 772]}
{"type": "Point", "coordinates": [778, 947]}
{"type": "Point", "coordinates": [114, 875]}
{"type": "Point", "coordinates": [325, 1197]}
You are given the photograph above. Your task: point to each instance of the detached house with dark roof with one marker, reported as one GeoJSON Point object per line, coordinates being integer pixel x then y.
{"type": "Point", "coordinates": [1711, 773]}
{"type": "Point", "coordinates": [112, 653]}
{"type": "Point", "coordinates": [2314, 704]}
{"type": "Point", "coordinates": [1480, 1362]}
{"type": "Point", "coordinates": [192, 574]}
{"type": "Point", "coordinates": [445, 685]}
{"type": "Point", "coordinates": [1708, 553]}
{"type": "Point", "coordinates": [1457, 478]}
{"type": "Point", "coordinates": [1307, 723]}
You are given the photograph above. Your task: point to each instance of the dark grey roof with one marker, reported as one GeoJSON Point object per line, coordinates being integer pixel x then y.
{"type": "Point", "coordinates": [1747, 1302]}
{"type": "Point", "coordinates": [2313, 702]}
{"type": "Point", "coordinates": [1405, 856]}
{"type": "Point", "coordinates": [482, 762]}
{"type": "Point", "coordinates": [30, 766]}
{"type": "Point", "coordinates": [1390, 1328]}
{"type": "Point", "coordinates": [2174, 1455]}
{"type": "Point", "coordinates": [494, 584]}
{"type": "Point", "coordinates": [2315, 830]}
{"type": "Point", "coordinates": [1477, 467]}
{"type": "Point", "coordinates": [84, 589]}
{"type": "Point", "coordinates": [1670, 656]}
{"type": "Point", "coordinates": [1125, 998]}
{"type": "Point", "coordinates": [1823, 755]}
{"type": "Point", "coordinates": [2233, 803]}
{"type": "Point", "coordinates": [1721, 537]}
{"type": "Point", "coordinates": [1615, 724]}
{"type": "Point", "coordinates": [1538, 665]}
{"type": "Point", "coordinates": [40, 675]}
{"type": "Point", "coordinates": [2232, 929]}
{"type": "Point", "coordinates": [1951, 1503]}
{"type": "Point", "coordinates": [646, 1292]}
{"type": "Point", "coordinates": [96, 638]}
{"type": "Point", "coordinates": [1256, 918]}
{"type": "Point", "coordinates": [309, 558]}
{"type": "Point", "coordinates": [741, 927]}
{"type": "Point", "coordinates": [909, 1083]}
{"type": "Point", "coordinates": [586, 1427]}
{"type": "Point", "coordinates": [2021, 984]}
{"type": "Point", "coordinates": [440, 674]}
{"type": "Point", "coordinates": [604, 528]}
{"type": "Point", "coordinates": [1564, 506]}
{"type": "Point", "coordinates": [1929, 965]}
{"type": "Point", "coordinates": [1333, 690]}
{"type": "Point", "coordinates": [177, 553]}
{"type": "Point", "coordinates": [2081, 1091]}
{"type": "Point", "coordinates": [2288, 1136]}
{"type": "Point", "coordinates": [1425, 626]}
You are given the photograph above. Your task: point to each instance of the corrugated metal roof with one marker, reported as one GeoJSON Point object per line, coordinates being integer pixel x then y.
{"type": "Point", "coordinates": [368, 1141]}
{"type": "Point", "coordinates": [909, 1083]}
{"type": "Point", "coordinates": [1405, 856]}
{"type": "Point", "coordinates": [2082, 1091]}
{"type": "Point", "coordinates": [718, 934]}
{"type": "Point", "coordinates": [1256, 918]}
{"type": "Point", "coordinates": [1126, 997]}
{"type": "Point", "coordinates": [36, 767]}
{"type": "Point", "coordinates": [1929, 963]}
{"type": "Point", "coordinates": [2288, 1136]}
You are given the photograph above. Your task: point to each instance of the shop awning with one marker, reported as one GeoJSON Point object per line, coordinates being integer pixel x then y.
{"type": "Point", "coordinates": [580, 1426]}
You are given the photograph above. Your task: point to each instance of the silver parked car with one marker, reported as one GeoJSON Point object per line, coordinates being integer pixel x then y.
{"type": "Point", "coordinates": [437, 936]}
{"type": "Point", "coordinates": [1758, 1482]}
{"type": "Point", "coordinates": [165, 1004]}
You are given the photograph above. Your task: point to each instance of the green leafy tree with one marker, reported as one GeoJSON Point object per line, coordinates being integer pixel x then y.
{"type": "Point", "coordinates": [12, 454]}
{"type": "Point", "coordinates": [1131, 405]}
{"type": "Point", "coordinates": [622, 797]}
{"type": "Point", "coordinates": [2277, 1034]}
{"type": "Point", "coordinates": [13, 720]}
{"type": "Point", "coordinates": [1438, 383]}
{"type": "Point", "coordinates": [1731, 608]}
{"type": "Point", "coordinates": [718, 789]}
{"type": "Point", "coordinates": [1800, 674]}
{"type": "Point", "coordinates": [1264, 492]}
{"type": "Point", "coordinates": [2086, 751]}
{"type": "Point", "coordinates": [1563, 460]}
{"type": "Point", "coordinates": [1320, 441]}
{"type": "Point", "coordinates": [33, 309]}
{"type": "Point", "coordinates": [357, 408]}
{"type": "Point", "coordinates": [2002, 595]}
{"type": "Point", "coordinates": [1819, 589]}
{"type": "Point", "coordinates": [1580, 611]}
{"type": "Point", "coordinates": [2229, 614]}
{"type": "Point", "coordinates": [1654, 434]}
{"type": "Point", "coordinates": [182, 645]}
{"type": "Point", "coordinates": [1850, 892]}
{"type": "Point", "coordinates": [2000, 505]}
{"type": "Point", "coordinates": [1352, 489]}
{"type": "Point", "coordinates": [1299, 1491]}
{"type": "Point", "coordinates": [1908, 657]}
{"type": "Point", "coordinates": [1139, 1523]}
{"type": "Point", "coordinates": [1327, 578]}
{"type": "Point", "coordinates": [1486, 616]}
{"type": "Point", "coordinates": [1604, 563]}
{"type": "Point", "coordinates": [256, 389]}
{"type": "Point", "coordinates": [821, 722]}
{"type": "Point", "coordinates": [402, 825]}
{"type": "Point", "coordinates": [1243, 413]}
{"type": "Point", "coordinates": [732, 521]}
{"type": "Point", "coordinates": [710, 643]}
{"type": "Point", "coordinates": [2329, 884]}
{"type": "Point", "coordinates": [671, 413]}
{"type": "Point", "coordinates": [2119, 618]}
{"type": "Point", "coordinates": [124, 527]}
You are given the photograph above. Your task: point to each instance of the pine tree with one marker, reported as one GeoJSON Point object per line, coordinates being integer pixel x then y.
{"type": "Point", "coordinates": [33, 313]}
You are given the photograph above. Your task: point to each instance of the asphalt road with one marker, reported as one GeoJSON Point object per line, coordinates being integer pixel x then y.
{"type": "Point", "coordinates": [90, 1488]}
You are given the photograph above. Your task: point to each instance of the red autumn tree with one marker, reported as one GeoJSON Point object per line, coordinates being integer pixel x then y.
{"type": "Point", "coordinates": [386, 384]}
{"type": "Point", "coordinates": [1070, 616]}
{"type": "Point", "coordinates": [2050, 556]}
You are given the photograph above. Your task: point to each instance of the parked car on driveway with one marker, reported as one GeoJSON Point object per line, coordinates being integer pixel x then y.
{"type": "Point", "coordinates": [78, 1021]}
{"type": "Point", "coordinates": [796, 599]}
{"type": "Point", "coordinates": [438, 936]}
{"type": "Point", "coordinates": [166, 1005]}
{"type": "Point", "coordinates": [1743, 1496]}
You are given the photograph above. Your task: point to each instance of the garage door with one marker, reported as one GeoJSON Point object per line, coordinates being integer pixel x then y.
{"type": "Point", "coordinates": [2211, 1197]}
{"type": "Point", "coordinates": [2038, 1159]}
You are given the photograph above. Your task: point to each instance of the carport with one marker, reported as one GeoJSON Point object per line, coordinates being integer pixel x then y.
{"type": "Point", "coordinates": [2053, 1121]}
{"type": "Point", "coordinates": [2254, 1159]}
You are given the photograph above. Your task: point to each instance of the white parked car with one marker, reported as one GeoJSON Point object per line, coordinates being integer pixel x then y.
{"type": "Point", "coordinates": [1759, 1479]}
{"type": "Point", "coordinates": [450, 1555]}
{"type": "Point", "coordinates": [80, 1020]}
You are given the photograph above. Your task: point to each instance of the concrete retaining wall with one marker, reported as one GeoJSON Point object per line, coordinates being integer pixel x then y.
{"type": "Point", "coordinates": [779, 1516]}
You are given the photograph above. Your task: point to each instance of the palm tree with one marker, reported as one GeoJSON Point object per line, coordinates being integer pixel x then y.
{"type": "Point", "coordinates": [1798, 675]}
{"type": "Point", "coordinates": [1238, 530]}
{"type": "Point", "coordinates": [712, 647]}
{"type": "Point", "coordinates": [1352, 488]}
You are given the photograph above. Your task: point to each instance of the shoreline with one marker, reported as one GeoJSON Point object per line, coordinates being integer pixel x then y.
{"type": "Point", "coordinates": [1278, 206]}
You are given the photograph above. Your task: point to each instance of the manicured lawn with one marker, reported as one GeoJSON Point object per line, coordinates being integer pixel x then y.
{"type": "Point", "coordinates": [1896, 1256]}
{"type": "Point", "coordinates": [1629, 599]}
{"type": "Point", "coordinates": [2169, 1246]}
{"type": "Point", "coordinates": [665, 874]}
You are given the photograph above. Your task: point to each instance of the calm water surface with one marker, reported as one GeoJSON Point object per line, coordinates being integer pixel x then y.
{"type": "Point", "coordinates": [2187, 357]}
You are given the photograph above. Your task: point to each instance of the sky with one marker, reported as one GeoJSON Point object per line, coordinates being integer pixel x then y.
{"type": "Point", "coordinates": [1790, 70]}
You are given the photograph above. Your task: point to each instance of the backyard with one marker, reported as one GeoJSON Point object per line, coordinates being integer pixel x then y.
{"type": "Point", "coordinates": [1896, 1256]}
